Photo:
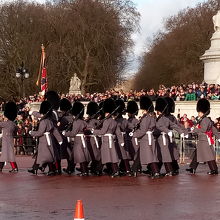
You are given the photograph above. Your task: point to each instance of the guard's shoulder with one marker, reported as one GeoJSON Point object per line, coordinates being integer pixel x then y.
{"type": "Point", "coordinates": [206, 119]}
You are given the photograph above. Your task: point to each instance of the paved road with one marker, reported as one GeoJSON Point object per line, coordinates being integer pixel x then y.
{"type": "Point", "coordinates": [24, 196]}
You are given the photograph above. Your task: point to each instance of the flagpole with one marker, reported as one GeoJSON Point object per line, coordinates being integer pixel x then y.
{"type": "Point", "coordinates": [41, 63]}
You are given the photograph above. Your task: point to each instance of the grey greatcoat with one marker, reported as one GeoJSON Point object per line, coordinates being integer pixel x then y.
{"type": "Point", "coordinates": [8, 132]}
{"type": "Point", "coordinates": [148, 150]}
{"type": "Point", "coordinates": [80, 150]}
{"type": "Point", "coordinates": [205, 152]}
{"type": "Point", "coordinates": [164, 146]}
{"type": "Point", "coordinates": [108, 149]}
{"type": "Point", "coordinates": [45, 152]}
{"type": "Point", "coordinates": [57, 148]}
{"type": "Point", "coordinates": [123, 151]}
{"type": "Point", "coordinates": [93, 141]}
{"type": "Point", "coordinates": [173, 146]}
{"type": "Point", "coordinates": [65, 149]}
{"type": "Point", "coordinates": [131, 142]}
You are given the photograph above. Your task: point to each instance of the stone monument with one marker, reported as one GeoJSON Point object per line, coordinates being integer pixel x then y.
{"type": "Point", "coordinates": [211, 58]}
{"type": "Point", "coordinates": [75, 85]}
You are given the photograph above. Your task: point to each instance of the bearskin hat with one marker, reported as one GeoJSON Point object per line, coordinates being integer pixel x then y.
{"type": "Point", "coordinates": [45, 107]}
{"type": "Point", "coordinates": [120, 103]}
{"type": "Point", "coordinates": [161, 105]}
{"type": "Point", "coordinates": [203, 105]}
{"type": "Point", "coordinates": [132, 107]}
{"type": "Point", "coordinates": [11, 111]}
{"type": "Point", "coordinates": [92, 108]}
{"type": "Point", "coordinates": [109, 105]}
{"type": "Point", "coordinates": [171, 104]}
{"type": "Point", "coordinates": [146, 104]}
{"type": "Point", "coordinates": [53, 98]}
{"type": "Point", "coordinates": [78, 109]}
{"type": "Point", "coordinates": [65, 105]}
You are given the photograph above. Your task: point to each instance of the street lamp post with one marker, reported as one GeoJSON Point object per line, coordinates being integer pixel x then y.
{"type": "Point", "coordinates": [22, 73]}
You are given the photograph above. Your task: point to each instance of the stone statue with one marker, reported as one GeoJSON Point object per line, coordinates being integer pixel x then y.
{"type": "Point", "coordinates": [216, 21]}
{"type": "Point", "coordinates": [211, 57]}
{"type": "Point", "coordinates": [75, 84]}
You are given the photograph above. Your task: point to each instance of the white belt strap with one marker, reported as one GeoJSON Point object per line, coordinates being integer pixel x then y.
{"type": "Point", "coordinates": [171, 138]}
{"type": "Point", "coordinates": [110, 138]}
{"type": "Point", "coordinates": [96, 140]}
{"type": "Point", "coordinates": [56, 116]}
{"type": "Point", "coordinates": [68, 139]}
{"type": "Point", "coordinates": [209, 141]}
{"type": "Point", "coordinates": [136, 141]}
{"type": "Point", "coordinates": [82, 139]}
{"type": "Point", "coordinates": [149, 134]}
{"type": "Point", "coordinates": [47, 134]}
{"type": "Point", "coordinates": [164, 138]}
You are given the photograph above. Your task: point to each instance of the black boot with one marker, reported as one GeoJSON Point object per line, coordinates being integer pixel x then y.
{"type": "Point", "coordinates": [134, 174]}
{"type": "Point", "coordinates": [15, 170]}
{"type": "Point", "coordinates": [156, 176]}
{"type": "Point", "coordinates": [1, 166]}
{"type": "Point", "coordinates": [51, 171]}
{"type": "Point", "coordinates": [84, 169]}
{"type": "Point", "coordinates": [169, 174]}
{"type": "Point", "coordinates": [115, 170]}
{"type": "Point", "coordinates": [213, 172]}
{"type": "Point", "coordinates": [115, 175]}
{"type": "Point", "coordinates": [67, 171]}
{"type": "Point", "coordinates": [33, 171]}
{"type": "Point", "coordinates": [191, 170]}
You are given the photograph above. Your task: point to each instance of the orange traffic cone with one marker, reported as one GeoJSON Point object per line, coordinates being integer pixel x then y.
{"type": "Point", "coordinates": [79, 212]}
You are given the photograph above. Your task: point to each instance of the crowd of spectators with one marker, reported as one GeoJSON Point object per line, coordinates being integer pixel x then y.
{"type": "Point", "coordinates": [24, 143]}
{"type": "Point", "coordinates": [190, 92]}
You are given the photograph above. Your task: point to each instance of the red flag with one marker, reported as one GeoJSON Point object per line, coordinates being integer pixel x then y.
{"type": "Point", "coordinates": [44, 81]}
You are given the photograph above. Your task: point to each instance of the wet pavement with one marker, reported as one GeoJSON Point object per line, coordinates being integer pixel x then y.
{"type": "Point", "coordinates": [24, 196]}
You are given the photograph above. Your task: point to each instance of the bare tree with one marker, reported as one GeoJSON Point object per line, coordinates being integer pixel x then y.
{"type": "Point", "coordinates": [174, 55]}
{"type": "Point", "coordinates": [88, 37]}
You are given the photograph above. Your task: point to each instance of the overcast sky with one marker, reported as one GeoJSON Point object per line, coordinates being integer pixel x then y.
{"type": "Point", "coordinates": [153, 13]}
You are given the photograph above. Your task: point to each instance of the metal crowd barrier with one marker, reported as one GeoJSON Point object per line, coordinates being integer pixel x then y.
{"type": "Point", "coordinates": [25, 145]}
{"type": "Point", "coordinates": [186, 147]}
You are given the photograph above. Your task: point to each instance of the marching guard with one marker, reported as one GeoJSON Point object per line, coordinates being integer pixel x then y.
{"type": "Point", "coordinates": [131, 142]}
{"type": "Point", "coordinates": [80, 150]}
{"type": "Point", "coordinates": [53, 98]}
{"type": "Point", "coordinates": [123, 151]}
{"type": "Point", "coordinates": [163, 131]}
{"type": "Point", "coordinates": [108, 132]}
{"type": "Point", "coordinates": [147, 148]}
{"type": "Point", "coordinates": [9, 129]}
{"type": "Point", "coordinates": [65, 120]}
{"type": "Point", "coordinates": [47, 135]}
{"type": "Point", "coordinates": [173, 146]}
{"type": "Point", "coordinates": [204, 150]}
{"type": "Point", "coordinates": [93, 141]}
